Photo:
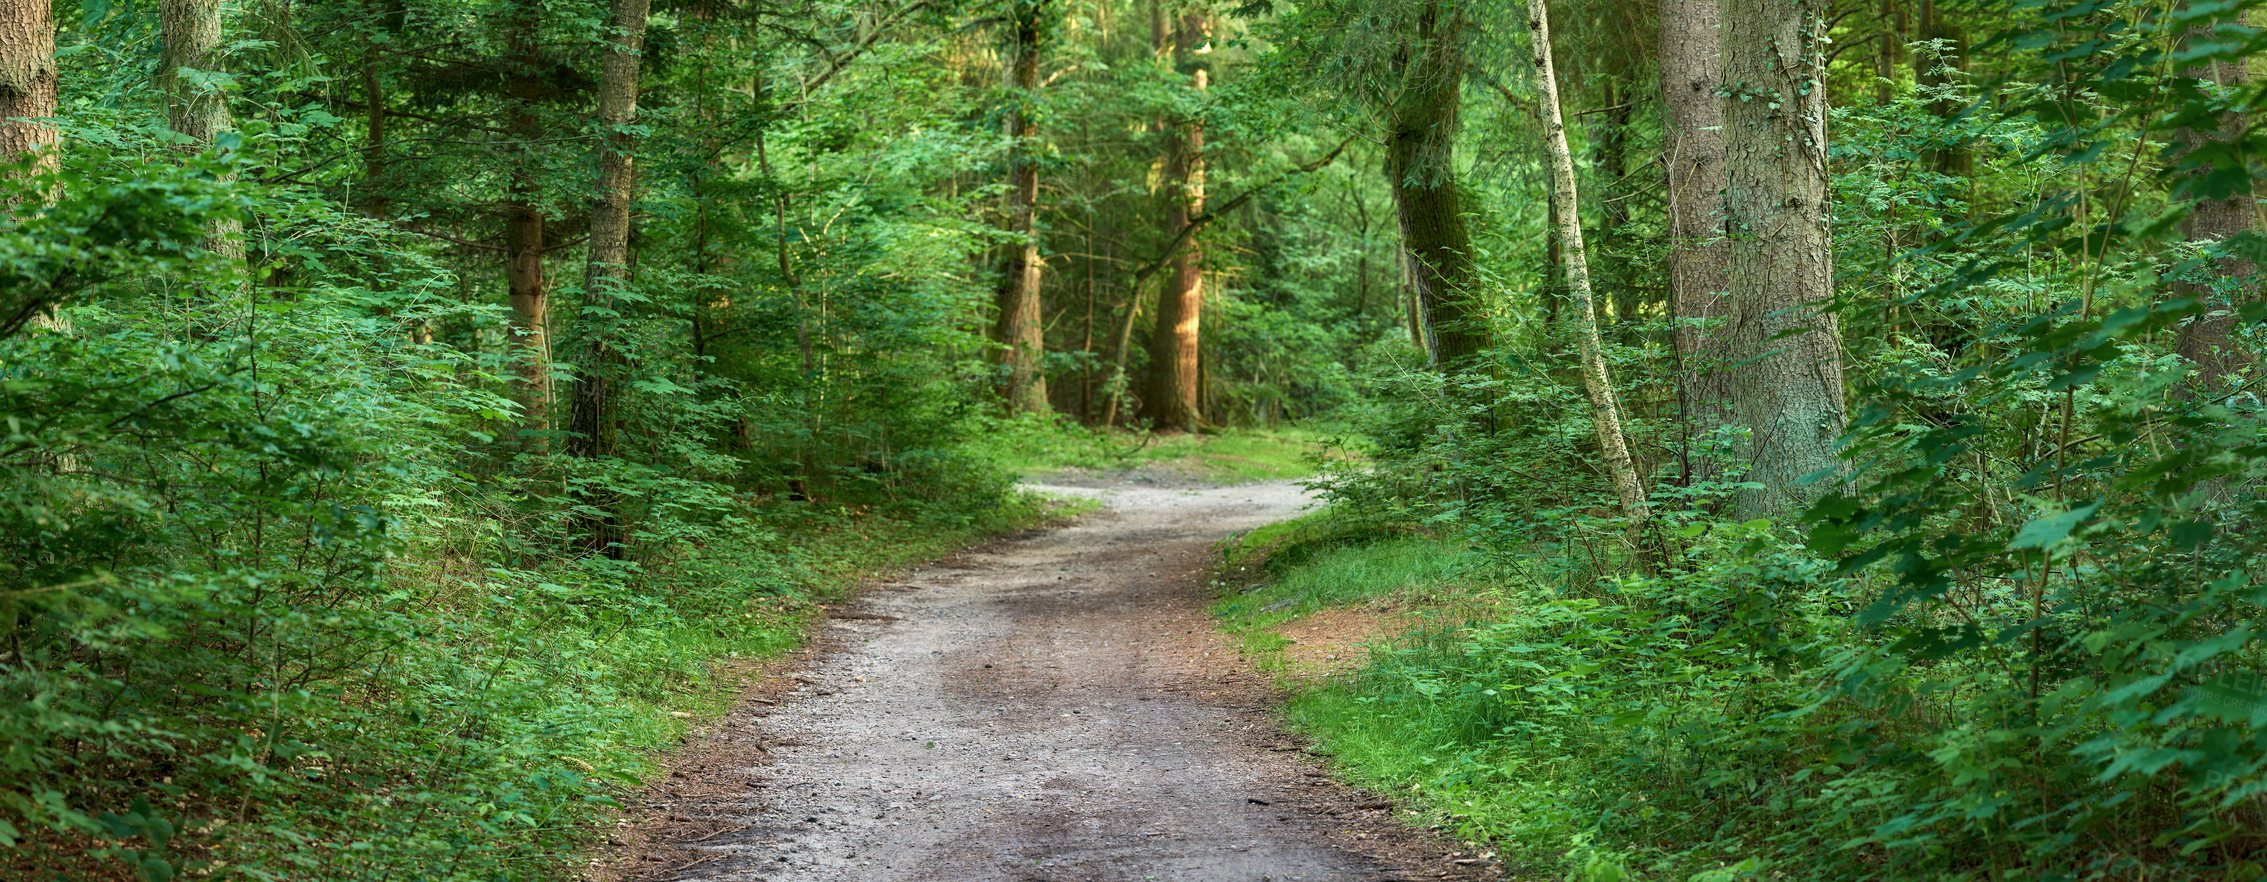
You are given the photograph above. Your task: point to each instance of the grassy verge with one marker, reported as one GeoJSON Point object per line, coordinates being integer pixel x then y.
{"type": "Point", "coordinates": [1601, 736]}
{"type": "Point", "coordinates": [1393, 714]}
{"type": "Point", "coordinates": [1036, 445]}
{"type": "Point", "coordinates": [1282, 575]}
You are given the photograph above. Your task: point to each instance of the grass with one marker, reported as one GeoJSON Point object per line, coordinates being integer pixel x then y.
{"type": "Point", "coordinates": [1033, 445]}
{"type": "Point", "coordinates": [1380, 732]}
{"type": "Point", "coordinates": [1286, 572]}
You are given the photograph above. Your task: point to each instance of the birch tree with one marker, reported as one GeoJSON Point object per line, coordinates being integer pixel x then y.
{"type": "Point", "coordinates": [1597, 381]}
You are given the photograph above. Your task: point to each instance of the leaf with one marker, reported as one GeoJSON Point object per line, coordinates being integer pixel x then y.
{"type": "Point", "coordinates": [2046, 531]}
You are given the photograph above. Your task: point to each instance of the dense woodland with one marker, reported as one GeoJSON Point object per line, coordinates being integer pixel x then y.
{"type": "Point", "coordinates": [1850, 405]}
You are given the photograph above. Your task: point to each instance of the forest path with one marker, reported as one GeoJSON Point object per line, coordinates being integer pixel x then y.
{"type": "Point", "coordinates": [1052, 707]}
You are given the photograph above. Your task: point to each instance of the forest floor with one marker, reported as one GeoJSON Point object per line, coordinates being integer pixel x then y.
{"type": "Point", "coordinates": [1055, 706]}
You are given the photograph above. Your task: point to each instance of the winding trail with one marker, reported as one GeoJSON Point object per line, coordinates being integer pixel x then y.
{"type": "Point", "coordinates": [1052, 707]}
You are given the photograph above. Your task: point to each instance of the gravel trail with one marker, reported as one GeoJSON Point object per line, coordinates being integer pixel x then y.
{"type": "Point", "coordinates": [1052, 707]}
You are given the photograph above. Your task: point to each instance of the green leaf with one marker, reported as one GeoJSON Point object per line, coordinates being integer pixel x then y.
{"type": "Point", "coordinates": [2048, 530]}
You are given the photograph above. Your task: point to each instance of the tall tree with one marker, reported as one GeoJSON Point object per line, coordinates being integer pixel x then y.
{"type": "Point", "coordinates": [1020, 329]}
{"type": "Point", "coordinates": [388, 20]}
{"type": "Point", "coordinates": [1693, 155]}
{"type": "Point", "coordinates": [526, 291]}
{"type": "Point", "coordinates": [1786, 387]}
{"type": "Point", "coordinates": [1597, 381]}
{"type": "Point", "coordinates": [1175, 353]}
{"type": "Point", "coordinates": [1420, 167]}
{"type": "Point", "coordinates": [2208, 341]}
{"type": "Point", "coordinates": [29, 88]}
{"type": "Point", "coordinates": [590, 422]}
{"type": "Point", "coordinates": [190, 31]}
{"type": "Point", "coordinates": [196, 106]}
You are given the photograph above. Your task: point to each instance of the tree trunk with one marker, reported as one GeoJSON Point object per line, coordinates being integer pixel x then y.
{"type": "Point", "coordinates": [1891, 38]}
{"type": "Point", "coordinates": [191, 33]}
{"type": "Point", "coordinates": [1412, 309]}
{"type": "Point", "coordinates": [1175, 367]}
{"type": "Point", "coordinates": [373, 197]}
{"type": "Point", "coordinates": [1605, 414]}
{"type": "Point", "coordinates": [2209, 341]}
{"type": "Point", "coordinates": [523, 234]}
{"type": "Point", "coordinates": [1420, 167]}
{"type": "Point", "coordinates": [1117, 388]}
{"type": "Point", "coordinates": [1787, 385]}
{"type": "Point", "coordinates": [29, 88]}
{"type": "Point", "coordinates": [591, 428]}
{"type": "Point", "coordinates": [1019, 331]}
{"type": "Point", "coordinates": [1693, 155]}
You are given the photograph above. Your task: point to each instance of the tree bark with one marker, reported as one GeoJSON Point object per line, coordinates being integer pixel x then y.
{"type": "Point", "coordinates": [1175, 365]}
{"type": "Point", "coordinates": [1787, 385]}
{"type": "Point", "coordinates": [2208, 341]}
{"type": "Point", "coordinates": [527, 293]}
{"type": "Point", "coordinates": [1693, 155]}
{"type": "Point", "coordinates": [1019, 329]}
{"type": "Point", "coordinates": [191, 32]}
{"type": "Point", "coordinates": [1420, 168]}
{"type": "Point", "coordinates": [373, 197]}
{"type": "Point", "coordinates": [1597, 381]}
{"type": "Point", "coordinates": [29, 88]}
{"type": "Point", "coordinates": [590, 414]}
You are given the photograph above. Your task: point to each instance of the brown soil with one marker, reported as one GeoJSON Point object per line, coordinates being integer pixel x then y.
{"type": "Point", "coordinates": [1054, 707]}
{"type": "Point", "coordinates": [1337, 640]}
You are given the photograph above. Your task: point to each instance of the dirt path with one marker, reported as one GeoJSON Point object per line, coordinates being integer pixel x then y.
{"type": "Point", "coordinates": [1053, 707]}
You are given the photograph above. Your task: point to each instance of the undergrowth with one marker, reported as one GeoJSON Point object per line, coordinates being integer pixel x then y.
{"type": "Point", "coordinates": [497, 719]}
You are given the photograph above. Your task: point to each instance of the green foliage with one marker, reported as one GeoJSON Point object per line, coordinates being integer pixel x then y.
{"type": "Point", "coordinates": [286, 591]}
{"type": "Point", "coordinates": [2017, 643]}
